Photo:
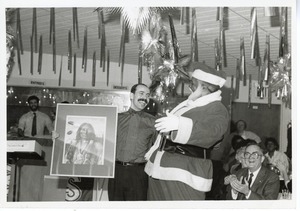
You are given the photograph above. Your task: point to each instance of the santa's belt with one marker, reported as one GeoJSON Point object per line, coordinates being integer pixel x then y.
{"type": "Point", "coordinates": [184, 149]}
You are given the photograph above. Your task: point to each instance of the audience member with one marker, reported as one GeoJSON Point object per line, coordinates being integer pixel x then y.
{"type": "Point", "coordinates": [33, 123]}
{"type": "Point", "coordinates": [278, 160]}
{"type": "Point", "coordinates": [241, 127]}
{"type": "Point", "coordinates": [236, 159]}
{"type": "Point", "coordinates": [255, 182]}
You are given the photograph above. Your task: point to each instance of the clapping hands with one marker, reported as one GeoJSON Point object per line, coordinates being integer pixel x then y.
{"type": "Point", "coordinates": [240, 187]}
{"type": "Point", "coordinates": [236, 184]}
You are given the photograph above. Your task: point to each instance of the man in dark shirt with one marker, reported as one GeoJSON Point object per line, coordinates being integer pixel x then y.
{"type": "Point", "coordinates": [135, 136]}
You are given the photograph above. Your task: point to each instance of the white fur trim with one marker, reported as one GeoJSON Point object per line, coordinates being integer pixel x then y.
{"type": "Point", "coordinates": [210, 78]}
{"type": "Point", "coordinates": [176, 174]}
{"type": "Point", "coordinates": [154, 147]}
{"type": "Point", "coordinates": [184, 130]}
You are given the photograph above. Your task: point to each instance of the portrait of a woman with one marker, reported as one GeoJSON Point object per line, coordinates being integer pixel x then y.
{"type": "Point", "coordinates": [86, 148]}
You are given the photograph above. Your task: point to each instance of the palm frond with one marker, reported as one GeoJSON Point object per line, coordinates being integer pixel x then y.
{"type": "Point", "coordinates": [136, 18]}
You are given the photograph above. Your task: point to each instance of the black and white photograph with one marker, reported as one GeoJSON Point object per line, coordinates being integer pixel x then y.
{"type": "Point", "coordinates": [84, 144]}
{"type": "Point", "coordinates": [151, 104]}
{"type": "Point", "coordinates": [84, 141]}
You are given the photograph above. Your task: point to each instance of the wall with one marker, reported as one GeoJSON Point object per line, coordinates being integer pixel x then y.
{"type": "Point", "coordinates": [285, 111]}
{"type": "Point", "coordinates": [130, 77]}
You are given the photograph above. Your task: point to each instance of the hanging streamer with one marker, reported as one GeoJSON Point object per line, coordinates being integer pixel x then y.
{"type": "Point", "coordinates": [231, 97]}
{"type": "Point", "coordinates": [77, 31]}
{"type": "Point", "coordinates": [31, 55]}
{"type": "Point", "coordinates": [221, 51]}
{"type": "Point", "coordinates": [249, 90]}
{"type": "Point", "coordinates": [253, 32]}
{"type": "Point", "coordinates": [269, 97]}
{"type": "Point", "coordinates": [60, 71]}
{"type": "Point", "coordinates": [194, 40]}
{"type": "Point", "coordinates": [103, 49]}
{"type": "Point", "coordinates": [40, 55]}
{"type": "Point", "coordinates": [187, 20]}
{"type": "Point", "coordinates": [237, 79]}
{"type": "Point", "coordinates": [223, 48]}
{"type": "Point", "coordinates": [122, 48]}
{"type": "Point", "coordinates": [34, 28]}
{"type": "Point", "coordinates": [101, 36]}
{"type": "Point", "coordinates": [243, 62]}
{"type": "Point", "coordinates": [75, 26]}
{"type": "Point", "coordinates": [50, 34]}
{"type": "Point", "coordinates": [100, 22]}
{"type": "Point", "coordinates": [85, 51]}
{"type": "Point", "coordinates": [218, 65]}
{"type": "Point", "coordinates": [74, 23]}
{"type": "Point", "coordinates": [140, 64]}
{"type": "Point", "coordinates": [260, 80]}
{"type": "Point", "coordinates": [270, 11]}
{"type": "Point", "coordinates": [19, 31]}
{"type": "Point", "coordinates": [174, 40]}
{"type": "Point", "coordinates": [219, 15]}
{"type": "Point", "coordinates": [266, 69]}
{"type": "Point", "coordinates": [122, 65]}
{"type": "Point", "coordinates": [108, 64]}
{"type": "Point", "coordinates": [122, 43]}
{"type": "Point", "coordinates": [283, 46]}
{"type": "Point", "coordinates": [54, 42]}
{"type": "Point", "coordinates": [181, 15]}
{"type": "Point", "coordinates": [74, 71]}
{"type": "Point", "coordinates": [94, 69]}
{"type": "Point", "coordinates": [19, 55]}
{"type": "Point", "coordinates": [70, 52]}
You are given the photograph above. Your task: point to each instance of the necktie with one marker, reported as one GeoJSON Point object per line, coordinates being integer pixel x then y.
{"type": "Point", "coordinates": [33, 129]}
{"type": "Point", "coordinates": [250, 179]}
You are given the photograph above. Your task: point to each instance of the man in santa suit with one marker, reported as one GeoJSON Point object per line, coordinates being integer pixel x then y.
{"type": "Point", "coordinates": [177, 163]}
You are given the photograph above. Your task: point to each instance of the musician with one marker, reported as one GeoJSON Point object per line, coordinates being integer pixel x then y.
{"type": "Point", "coordinates": [33, 123]}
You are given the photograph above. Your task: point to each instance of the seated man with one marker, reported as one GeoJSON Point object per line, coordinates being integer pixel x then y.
{"type": "Point", "coordinates": [255, 182]}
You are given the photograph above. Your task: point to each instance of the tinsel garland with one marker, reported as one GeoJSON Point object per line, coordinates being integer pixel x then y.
{"type": "Point", "coordinates": [283, 44]}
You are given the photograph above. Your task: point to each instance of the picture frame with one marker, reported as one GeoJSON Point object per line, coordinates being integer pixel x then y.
{"type": "Point", "coordinates": [86, 142]}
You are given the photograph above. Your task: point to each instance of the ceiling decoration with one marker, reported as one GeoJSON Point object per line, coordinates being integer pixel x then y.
{"type": "Point", "coordinates": [221, 37]}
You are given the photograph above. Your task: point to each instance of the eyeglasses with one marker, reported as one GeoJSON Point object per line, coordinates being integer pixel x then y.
{"type": "Point", "coordinates": [254, 155]}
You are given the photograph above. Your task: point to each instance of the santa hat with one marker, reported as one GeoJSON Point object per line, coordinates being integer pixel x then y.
{"type": "Point", "coordinates": [205, 73]}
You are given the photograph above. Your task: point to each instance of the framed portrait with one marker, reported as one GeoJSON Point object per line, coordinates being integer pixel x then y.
{"type": "Point", "coordinates": [86, 142]}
